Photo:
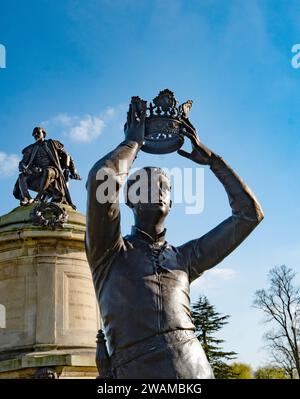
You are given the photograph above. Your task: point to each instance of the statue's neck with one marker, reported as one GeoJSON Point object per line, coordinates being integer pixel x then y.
{"type": "Point", "coordinates": [153, 231]}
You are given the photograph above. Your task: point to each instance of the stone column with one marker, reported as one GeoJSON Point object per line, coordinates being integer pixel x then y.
{"type": "Point", "coordinates": [47, 292]}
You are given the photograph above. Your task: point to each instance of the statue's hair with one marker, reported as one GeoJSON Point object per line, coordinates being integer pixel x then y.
{"type": "Point", "coordinates": [133, 178]}
{"type": "Point", "coordinates": [40, 128]}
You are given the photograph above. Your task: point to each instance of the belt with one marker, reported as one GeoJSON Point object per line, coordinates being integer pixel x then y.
{"type": "Point", "coordinates": [152, 344]}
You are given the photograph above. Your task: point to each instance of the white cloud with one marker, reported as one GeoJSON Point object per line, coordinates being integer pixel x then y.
{"type": "Point", "coordinates": [223, 274]}
{"type": "Point", "coordinates": [8, 165]}
{"type": "Point", "coordinates": [63, 119]}
{"type": "Point", "coordinates": [81, 129]}
{"type": "Point", "coordinates": [110, 111]}
{"type": "Point", "coordinates": [86, 128]}
{"type": "Point", "coordinates": [213, 279]}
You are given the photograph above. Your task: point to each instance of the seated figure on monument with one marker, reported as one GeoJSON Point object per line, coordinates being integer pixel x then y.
{"type": "Point", "coordinates": [45, 168]}
{"type": "Point", "coordinates": [141, 281]}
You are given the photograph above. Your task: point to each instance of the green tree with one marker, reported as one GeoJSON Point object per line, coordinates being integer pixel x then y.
{"type": "Point", "coordinates": [241, 371]}
{"type": "Point", "coordinates": [270, 373]}
{"type": "Point", "coordinates": [208, 322]}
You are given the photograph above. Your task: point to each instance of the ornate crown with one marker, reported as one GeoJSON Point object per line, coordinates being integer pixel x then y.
{"type": "Point", "coordinates": [163, 132]}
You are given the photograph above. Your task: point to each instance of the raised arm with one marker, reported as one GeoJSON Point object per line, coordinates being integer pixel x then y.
{"type": "Point", "coordinates": [203, 253]}
{"type": "Point", "coordinates": [103, 234]}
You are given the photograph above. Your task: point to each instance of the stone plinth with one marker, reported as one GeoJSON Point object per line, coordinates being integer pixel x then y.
{"type": "Point", "coordinates": [46, 289]}
{"type": "Point", "coordinates": [62, 364]}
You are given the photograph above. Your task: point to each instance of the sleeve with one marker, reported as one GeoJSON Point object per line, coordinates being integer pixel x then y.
{"type": "Point", "coordinates": [209, 250]}
{"type": "Point", "coordinates": [65, 158]}
{"type": "Point", "coordinates": [58, 145]}
{"type": "Point", "coordinates": [26, 157]}
{"type": "Point", "coordinates": [72, 167]}
{"type": "Point", "coordinates": [103, 234]}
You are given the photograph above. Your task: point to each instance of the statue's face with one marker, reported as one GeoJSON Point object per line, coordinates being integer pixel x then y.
{"type": "Point", "coordinates": [38, 135]}
{"type": "Point", "coordinates": [151, 197]}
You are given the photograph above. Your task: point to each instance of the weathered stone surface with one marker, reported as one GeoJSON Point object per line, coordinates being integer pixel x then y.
{"type": "Point", "coordinates": [45, 285]}
{"type": "Point", "coordinates": [67, 364]}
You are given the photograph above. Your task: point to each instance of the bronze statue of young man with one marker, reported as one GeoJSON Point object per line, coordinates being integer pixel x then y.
{"type": "Point", "coordinates": [142, 282]}
{"type": "Point", "coordinates": [45, 168]}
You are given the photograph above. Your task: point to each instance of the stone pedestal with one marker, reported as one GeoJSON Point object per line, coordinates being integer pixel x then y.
{"type": "Point", "coordinates": [51, 314]}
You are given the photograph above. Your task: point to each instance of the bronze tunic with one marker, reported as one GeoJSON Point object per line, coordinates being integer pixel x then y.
{"type": "Point", "coordinates": [143, 284]}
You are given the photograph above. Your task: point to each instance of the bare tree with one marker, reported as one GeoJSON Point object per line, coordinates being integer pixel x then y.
{"type": "Point", "coordinates": [281, 354]}
{"type": "Point", "coordinates": [281, 305]}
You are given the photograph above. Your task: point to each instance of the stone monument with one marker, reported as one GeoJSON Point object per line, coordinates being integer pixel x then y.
{"type": "Point", "coordinates": [50, 314]}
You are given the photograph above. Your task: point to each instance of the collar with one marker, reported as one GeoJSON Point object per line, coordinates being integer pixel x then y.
{"type": "Point", "coordinates": [40, 143]}
{"type": "Point", "coordinates": [158, 239]}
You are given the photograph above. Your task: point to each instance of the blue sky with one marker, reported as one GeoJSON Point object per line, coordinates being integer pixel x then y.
{"type": "Point", "coordinates": [73, 66]}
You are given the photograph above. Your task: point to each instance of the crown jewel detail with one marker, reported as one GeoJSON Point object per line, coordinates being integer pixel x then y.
{"type": "Point", "coordinates": [165, 104]}
{"type": "Point", "coordinates": [163, 123]}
